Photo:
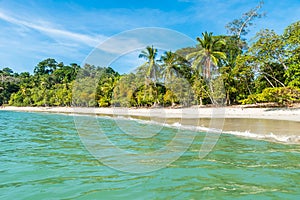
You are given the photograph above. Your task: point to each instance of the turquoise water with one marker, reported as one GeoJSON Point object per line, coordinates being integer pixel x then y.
{"type": "Point", "coordinates": [42, 157]}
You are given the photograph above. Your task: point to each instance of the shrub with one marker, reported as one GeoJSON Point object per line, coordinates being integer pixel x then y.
{"type": "Point", "coordinates": [280, 95]}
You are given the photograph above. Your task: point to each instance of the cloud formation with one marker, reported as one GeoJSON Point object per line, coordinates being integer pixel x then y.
{"type": "Point", "coordinates": [69, 30]}
{"type": "Point", "coordinates": [54, 32]}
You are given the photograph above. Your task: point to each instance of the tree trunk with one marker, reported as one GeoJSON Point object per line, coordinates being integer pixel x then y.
{"type": "Point", "coordinates": [210, 94]}
{"type": "Point", "coordinates": [201, 101]}
{"type": "Point", "coordinates": [227, 98]}
{"type": "Point", "coordinates": [208, 69]}
{"type": "Point", "coordinates": [269, 81]}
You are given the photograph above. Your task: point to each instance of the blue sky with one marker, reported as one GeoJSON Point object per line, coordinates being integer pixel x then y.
{"type": "Point", "coordinates": [69, 30]}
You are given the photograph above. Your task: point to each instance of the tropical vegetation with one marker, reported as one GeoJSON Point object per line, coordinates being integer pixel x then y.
{"type": "Point", "coordinates": [224, 67]}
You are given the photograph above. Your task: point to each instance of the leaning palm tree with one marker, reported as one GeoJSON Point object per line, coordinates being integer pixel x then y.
{"type": "Point", "coordinates": [209, 54]}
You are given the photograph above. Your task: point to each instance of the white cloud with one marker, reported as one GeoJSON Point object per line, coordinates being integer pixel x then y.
{"type": "Point", "coordinates": [69, 31]}
{"type": "Point", "coordinates": [54, 32]}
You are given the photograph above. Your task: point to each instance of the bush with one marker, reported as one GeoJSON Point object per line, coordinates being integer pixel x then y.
{"type": "Point", "coordinates": [280, 95]}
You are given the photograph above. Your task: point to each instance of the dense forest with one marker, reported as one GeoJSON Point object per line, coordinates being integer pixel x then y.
{"type": "Point", "coordinates": [265, 70]}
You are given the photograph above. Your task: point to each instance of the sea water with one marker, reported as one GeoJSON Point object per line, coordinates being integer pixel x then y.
{"type": "Point", "coordinates": [42, 156]}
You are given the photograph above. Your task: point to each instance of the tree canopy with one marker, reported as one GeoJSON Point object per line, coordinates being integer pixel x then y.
{"type": "Point", "coordinates": [268, 70]}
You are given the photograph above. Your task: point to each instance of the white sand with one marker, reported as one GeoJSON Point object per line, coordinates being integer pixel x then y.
{"type": "Point", "coordinates": [292, 114]}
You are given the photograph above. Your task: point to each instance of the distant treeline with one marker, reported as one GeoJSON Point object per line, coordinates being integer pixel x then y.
{"type": "Point", "coordinates": [267, 70]}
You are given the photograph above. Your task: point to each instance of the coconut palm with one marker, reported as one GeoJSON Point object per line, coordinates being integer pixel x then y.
{"type": "Point", "coordinates": [149, 54]}
{"type": "Point", "coordinates": [207, 57]}
{"type": "Point", "coordinates": [151, 69]}
{"type": "Point", "coordinates": [209, 54]}
{"type": "Point", "coordinates": [170, 65]}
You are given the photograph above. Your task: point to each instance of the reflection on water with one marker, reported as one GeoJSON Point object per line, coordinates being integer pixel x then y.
{"type": "Point", "coordinates": [42, 157]}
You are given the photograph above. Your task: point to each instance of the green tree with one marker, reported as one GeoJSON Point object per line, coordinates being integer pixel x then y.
{"type": "Point", "coordinates": [268, 58]}
{"type": "Point", "coordinates": [124, 89]}
{"type": "Point", "coordinates": [151, 70]}
{"type": "Point", "coordinates": [170, 65]}
{"type": "Point", "coordinates": [209, 54]}
{"type": "Point", "coordinates": [291, 36]}
{"type": "Point", "coordinates": [244, 76]}
{"type": "Point", "coordinates": [232, 49]}
{"type": "Point", "coordinates": [106, 85]}
{"type": "Point", "coordinates": [8, 84]}
{"type": "Point", "coordinates": [46, 66]}
{"type": "Point", "coordinates": [207, 58]}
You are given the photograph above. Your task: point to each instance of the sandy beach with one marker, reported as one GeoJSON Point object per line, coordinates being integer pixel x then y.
{"type": "Point", "coordinates": [290, 114]}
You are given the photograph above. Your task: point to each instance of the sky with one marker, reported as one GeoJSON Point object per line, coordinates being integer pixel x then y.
{"type": "Point", "coordinates": [70, 31]}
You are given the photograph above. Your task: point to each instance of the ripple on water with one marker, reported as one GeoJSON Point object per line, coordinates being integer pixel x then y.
{"type": "Point", "coordinates": [42, 157]}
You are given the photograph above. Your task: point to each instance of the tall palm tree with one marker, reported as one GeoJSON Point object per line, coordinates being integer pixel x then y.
{"type": "Point", "coordinates": [209, 54]}
{"type": "Point", "coordinates": [151, 69]}
{"type": "Point", "coordinates": [207, 57]}
{"type": "Point", "coordinates": [149, 54]}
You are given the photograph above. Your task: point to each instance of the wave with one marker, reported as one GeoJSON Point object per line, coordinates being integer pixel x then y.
{"type": "Point", "coordinates": [288, 139]}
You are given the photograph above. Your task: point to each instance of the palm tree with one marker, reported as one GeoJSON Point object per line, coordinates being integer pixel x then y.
{"type": "Point", "coordinates": [209, 54]}
{"type": "Point", "coordinates": [151, 68]}
{"type": "Point", "coordinates": [149, 54]}
{"type": "Point", "coordinates": [170, 64]}
{"type": "Point", "coordinates": [206, 58]}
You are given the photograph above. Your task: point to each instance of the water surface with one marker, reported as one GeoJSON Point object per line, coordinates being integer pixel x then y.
{"type": "Point", "coordinates": [42, 157]}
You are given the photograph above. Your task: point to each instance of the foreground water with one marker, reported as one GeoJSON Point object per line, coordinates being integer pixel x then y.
{"type": "Point", "coordinates": [42, 157]}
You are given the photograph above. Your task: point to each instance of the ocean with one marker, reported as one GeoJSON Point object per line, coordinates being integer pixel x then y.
{"type": "Point", "coordinates": [59, 156]}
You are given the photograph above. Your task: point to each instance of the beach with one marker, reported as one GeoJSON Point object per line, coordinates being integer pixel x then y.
{"type": "Point", "coordinates": [272, 124]}
{"type": "Point", "coordinates": [289, 114]}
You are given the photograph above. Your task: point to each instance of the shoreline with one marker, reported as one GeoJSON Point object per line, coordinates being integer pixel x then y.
{"type": "Point", "coordinates": [286, 114]}
{"type": "Point", "coordinates": [271, 124]}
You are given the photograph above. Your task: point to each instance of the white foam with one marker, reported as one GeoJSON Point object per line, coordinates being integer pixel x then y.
{"type": "Point", "coordinates": [267, 136]}
{"type": "Point", "coordinates": [247, 134]}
